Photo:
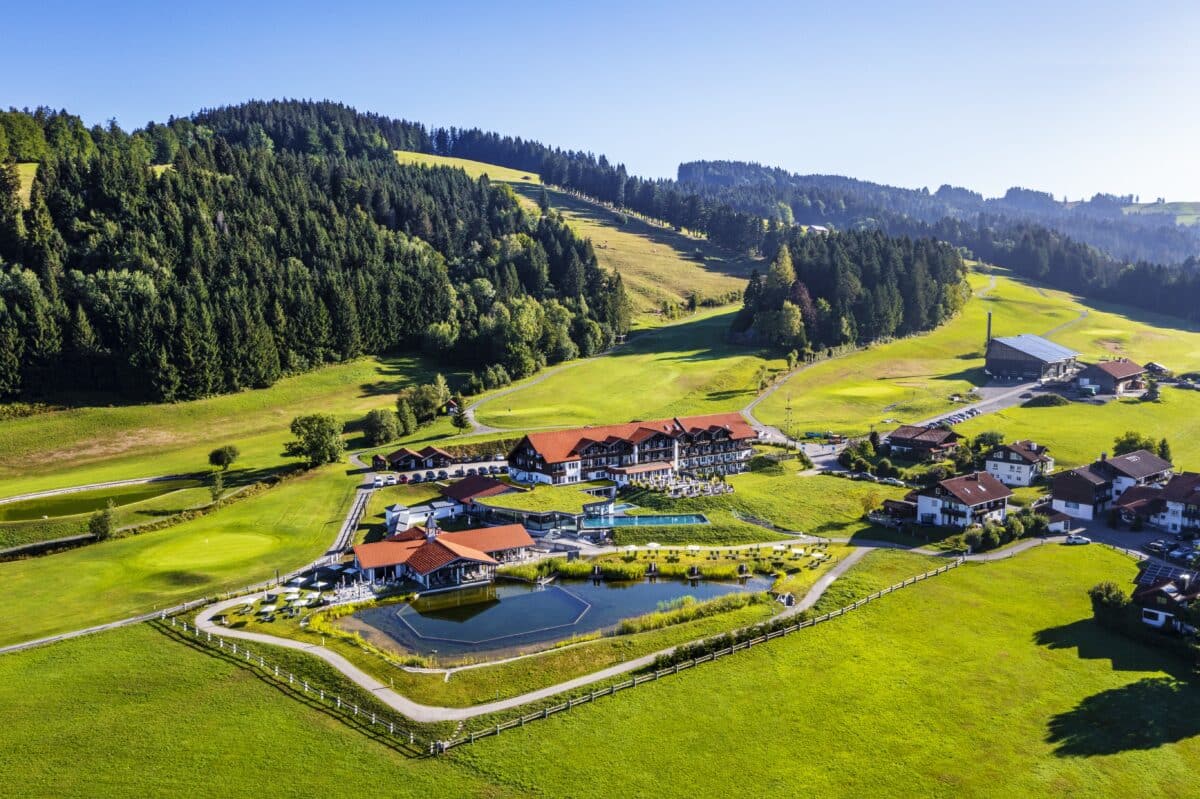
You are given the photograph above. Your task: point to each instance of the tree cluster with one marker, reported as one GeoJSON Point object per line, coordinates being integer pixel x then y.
{"type": "Point", "coordinates": [850, 288]}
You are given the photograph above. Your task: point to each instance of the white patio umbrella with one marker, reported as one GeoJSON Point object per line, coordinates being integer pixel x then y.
{"type": "Point", "coordinates": [779, 547]}
{"type": "Point", "coordinates": [268, 609]}
{"type": "Point", "coordinates": [652, 545]}
{"type": "Point", "coordinates": [319, 584]}
{"type": "Point", "coordinates": [693, 548]}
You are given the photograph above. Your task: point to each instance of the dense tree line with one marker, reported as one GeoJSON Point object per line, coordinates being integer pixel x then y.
{"type": "Point", "coordinates": [185, 259]}
{"type": "Point", "coordinates": [1101, 222]}
{"type": "Point", "coordinates": [850, 288]}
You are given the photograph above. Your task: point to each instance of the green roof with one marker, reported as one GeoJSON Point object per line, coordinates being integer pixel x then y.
{"type": "Point", "coordinates": [545, 498]}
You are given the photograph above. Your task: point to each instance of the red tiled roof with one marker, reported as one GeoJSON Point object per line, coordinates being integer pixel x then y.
{"type": "Point", "coordinates": [424, 556]}
{"type": "Point", "coordinates": [433, 555]}
{"type": "Point", "coordinates": [415, 533]}
{"type": "Point", "coordinates": [973, 489]}
{"type": "Point", "coordinates": [1120, 369]}
{"type": "Point", "coordinates": [403, 452]}
{"type": "Point", "coordinates": [556, 446]}
{"type": "Point", "coordinates": [473, 486]}
{"type": "Point", "coordinates": [385, 553]}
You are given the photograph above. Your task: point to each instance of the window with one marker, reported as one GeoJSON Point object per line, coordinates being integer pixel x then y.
{"type": "Point", "coordinates": [1073, 505]}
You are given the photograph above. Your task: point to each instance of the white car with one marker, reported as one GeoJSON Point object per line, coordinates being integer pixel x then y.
{"type": "Point", "coordinates": [1078, 539]}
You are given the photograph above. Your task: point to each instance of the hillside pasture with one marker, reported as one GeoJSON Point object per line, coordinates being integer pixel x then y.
{"type": "Point", "coordinates": [474, 169]}
{"type": "Point", "coordinates": [26, 171]}
{"type": "Point", "coordinates": [680, 369]}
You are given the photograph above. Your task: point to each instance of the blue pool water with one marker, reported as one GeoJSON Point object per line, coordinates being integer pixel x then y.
{"type": "Point", "coordinates": [649, 520]}
{"type": "Point", "coordinates": [509, 617]}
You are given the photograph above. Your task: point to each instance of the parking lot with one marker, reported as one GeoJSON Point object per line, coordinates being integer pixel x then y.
{"type": "Point", "coordinates": [490, 465]}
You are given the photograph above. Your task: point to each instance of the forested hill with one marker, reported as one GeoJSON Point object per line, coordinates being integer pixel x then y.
{"type": "Point", "coordinates": [832, 199]}
{"type": "Point", "coordinates": [204, 256]}
{"type": "Point", "coordinates": [1029, 232]}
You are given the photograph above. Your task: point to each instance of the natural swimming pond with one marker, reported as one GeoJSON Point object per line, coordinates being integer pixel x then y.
{"type": "Point", "coordinates": [509, 617]}
{"type": "Point", "coordinates": [647, 520]}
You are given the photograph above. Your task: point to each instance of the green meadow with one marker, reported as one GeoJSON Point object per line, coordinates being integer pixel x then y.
{"type": "Point", "coordinates": [97, 443]}
{"type": "Point", "coordinates": [1079, 432]}
{"type": "Point", "coordinates": [1184, 213]}
{"type": "Point", "coordinates": [679, 369]}
{"type": "Point", "coordinates": [277, 530]}
{"type": "Point", "coordinates": [913, 379]}
{"type": "Point", "coordinates": [990, 680]}
{"type": "Point", "coordinates": [476, 169]}
{"type": "Point", "coordinates": [135, 713]}
{"type": "Point", "coordinates": [27, 172]}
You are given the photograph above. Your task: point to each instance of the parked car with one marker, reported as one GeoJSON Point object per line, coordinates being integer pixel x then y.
{"type": "Point", "coordinates": [458, 472]}
{"type": "Point", "coordinates": [1182, 554]}
{"type": "Point", "coordinates": [416, 478]}
{"type": "Point", "coordinates": [1155, 547]}
{"type": "Point", "coordinates": [892, 481]}
{"type": "Point", "coordinates": [378, 481]}
{"type": "Point", "coordinates": [430, 476]}
{"type": "Point", "coordinates": [471, 471]}
{"type": "Point", "coordinates": [391, 479]}
{"type": "Point", "coordinates": [493, 469]}
{"type": "Point", "coordinates": [402, 479]}
{"type": "Point", "coordinates": [442, 475]}
{"type": "Point", "coordinates": [504, 469]}
{"type": "Point", "coordinates": [1027, 395]}
{"type": "Point", "coordinates": [497, 457]}
{"type": "Point", "coordinates": [1078, 539]}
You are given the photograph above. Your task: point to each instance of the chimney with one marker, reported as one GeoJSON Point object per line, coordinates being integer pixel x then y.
{"type": "Point", "coordinates": [1103, 457]}
{"type": "Point", "coordinates": [989, 328]}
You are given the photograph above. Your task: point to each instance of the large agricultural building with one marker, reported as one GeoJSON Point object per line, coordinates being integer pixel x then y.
{"type": "Point", "coordinates": [719, 443]}
{"type": "Point", "coordinates": [1029, 357]}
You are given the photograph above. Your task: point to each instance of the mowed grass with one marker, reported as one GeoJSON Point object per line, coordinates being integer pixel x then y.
{"type": "Point", "coordinates": [913, 379]}
{"type": "Point", "coordinates": [990, 680]}
{"type": "Point", "coordinates": [280, 529]}
{"type": "Point", "coordinates": [89, 501]}
{"type": "Point", "coordinates": [90, 444]}
{"type": "Point", "coordinates": [676, 370]}
{"type": "Point", "coordinates": [476, 169]}
{"type": "Point", "coordinates": [134, 713]}
{"type": "Point", "coordinates": [1079, 432]}
{"type": "Point", "coordinates": [541, 498]}
{"type": "Point", "coordinates": [1184, 213]}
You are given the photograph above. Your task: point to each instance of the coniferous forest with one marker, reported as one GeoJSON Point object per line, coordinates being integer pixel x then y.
{"type": "Point", "coordinates": [200, 257]}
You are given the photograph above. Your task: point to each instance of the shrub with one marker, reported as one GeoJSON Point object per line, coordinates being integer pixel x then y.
{"type": "Point", "coordinates": [687, 609]}
{"type": "Point", "coordinates": [1045, 401]}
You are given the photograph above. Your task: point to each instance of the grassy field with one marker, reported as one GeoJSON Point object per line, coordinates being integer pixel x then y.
{"type": "Point", "coordinates": [913, 379]}
{"type": "Point", "coordinates": [279, 529]}
{"type": "Point", "coordinates": [990, 680]}
{"type": "Point", "coordinates": [681, 369]}
{"type": "Point", "coordinates": [133, 713]}
{"type": "Point", "coordinates": [90, 444]}
{"type": "Point", "coordinates": [1184, 213]}
{"type": "Point", "coordinates": [476, 169]}
{"type": "Point", "coordinates": [89, 501]}
{"type": "Point", "coordinates": [1079, 432]}
{"type": "Point", "coordinates": [27, 172]}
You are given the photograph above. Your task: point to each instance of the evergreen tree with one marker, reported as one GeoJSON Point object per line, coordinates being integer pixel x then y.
{"type": "Point", "coordinates": [407, 420]}
{"type": "Point", "coordinates": [381, 426]}
{"type": "Point", "coordinates": [1164, 450]}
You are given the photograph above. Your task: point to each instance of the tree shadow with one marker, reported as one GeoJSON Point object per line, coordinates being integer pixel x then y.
{"type": "Point", "coordinates": [1141, 715]}
{"type": "Point", "coordinates": [1145, 714]}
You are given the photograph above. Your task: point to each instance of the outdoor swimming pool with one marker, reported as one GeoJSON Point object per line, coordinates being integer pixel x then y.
{"type": "Point", "coordinates": [648, 520]}
{"type": "Point", "coordinates": [507, 618]}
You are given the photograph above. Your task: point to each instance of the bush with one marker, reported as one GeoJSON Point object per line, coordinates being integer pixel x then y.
{"type": "Point", "coordinates": [1045, 401]}
{"type": "Point", "coordinates": [886, 469]}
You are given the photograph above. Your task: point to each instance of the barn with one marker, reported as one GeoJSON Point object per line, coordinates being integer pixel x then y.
{"type": "Point", "coordinates": [1029, 357]}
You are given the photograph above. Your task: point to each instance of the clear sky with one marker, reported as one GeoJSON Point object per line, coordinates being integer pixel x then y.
{"type": "Point", "coordinates": [1067, 97]}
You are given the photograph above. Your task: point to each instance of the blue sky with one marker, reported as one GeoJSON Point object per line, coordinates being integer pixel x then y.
{"type": "Point", "coordinates": [1067, 97]}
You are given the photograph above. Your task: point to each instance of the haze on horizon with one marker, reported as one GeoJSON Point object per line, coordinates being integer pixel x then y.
{"type": "Point", "coordinates": [1068, 97]}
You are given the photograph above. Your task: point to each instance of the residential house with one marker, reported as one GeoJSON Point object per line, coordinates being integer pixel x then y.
{"type": "Point", "coordinates": [719, 443]}
{"type": "Point", "coordinates": [1173, 506]}
{"type": "Point", "coordinates": [1086, 492]}
{"type": "Point", "coordinates": [434, 559]}
{"type": "Point", "coordinates": [407, 460]}
{"type": "Point", "coordinates": [1165, 603]}
{"type": "Point", "coordinates": [1021, 463]}
{"type": "Point", "coordinates": [1113, 377]}
{"type": "Point", "coordinates": [961, 502]}
{"type": "Point", "coordinates": [1028, 357]}
{"type": "Point", "coordinates": [922, 443]}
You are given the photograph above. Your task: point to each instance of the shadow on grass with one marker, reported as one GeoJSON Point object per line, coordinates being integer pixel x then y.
{"type": "Point", "coordinates": [1141, 715]}
{"type": "Point", "coordinates": [1145, 714]}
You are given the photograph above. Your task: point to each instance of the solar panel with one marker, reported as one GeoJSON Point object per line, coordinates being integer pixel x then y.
{"type": "Point", "coordinates": [1155, 572]}
{"type": "Point", "coordinates": [1038, 347]}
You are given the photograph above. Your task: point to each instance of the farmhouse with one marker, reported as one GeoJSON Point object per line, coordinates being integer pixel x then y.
{"type": "Point", "coordinates": [406, 460]}
{"type": "Point", "coordinates": [1173, 506]}
{"type": "Point", "coordinates": [1020, 463]}
{"type": "Point", "coordinates": [964, 501]}
{"type": "Point", "coordinates": [1112, 377]}
{"type": "Point", "coordinates": [435, 559]}
{"type": "Point", "coordinates": [1085, 492]}
{"type": "Point", "coordinates": [1028, 357]}
{"type": "Point", "coordinates": [718, 443]}
{"type": "Point", "coordinates": [922, 443]}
